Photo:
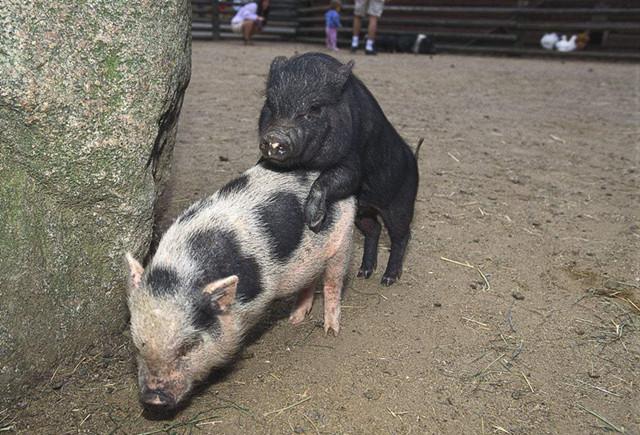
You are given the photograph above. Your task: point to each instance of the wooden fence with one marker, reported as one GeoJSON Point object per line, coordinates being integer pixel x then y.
{"type": "Point", "coordinates": [488, 26]}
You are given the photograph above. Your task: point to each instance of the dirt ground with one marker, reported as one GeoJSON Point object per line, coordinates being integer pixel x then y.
{"type": "Point", "coordinates": [518, 310]}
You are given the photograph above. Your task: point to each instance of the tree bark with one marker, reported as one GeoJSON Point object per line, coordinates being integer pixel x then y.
{"type": "Point", "coordinates": [90, 93]}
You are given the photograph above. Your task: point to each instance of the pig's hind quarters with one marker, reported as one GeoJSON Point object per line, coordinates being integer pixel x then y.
{"type": "Point", "coordinates": [338, 248]}
{"type": "Point", "coordinates": [396, 215]}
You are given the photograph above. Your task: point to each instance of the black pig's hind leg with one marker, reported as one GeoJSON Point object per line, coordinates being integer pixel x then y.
{"type": "Point", "coordinates": [397, 218]}
{"type": "Point", "coordinates": [400, 234]}
{"type": "Point", "coordinates": [367, 223]}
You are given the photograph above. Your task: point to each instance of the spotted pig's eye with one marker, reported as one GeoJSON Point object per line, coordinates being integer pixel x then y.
{"type": "Point", "coordinates": [187, 347]}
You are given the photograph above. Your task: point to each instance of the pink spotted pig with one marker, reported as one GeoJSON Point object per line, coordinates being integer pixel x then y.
{"type": "Point", "coordinates": [219, 267]}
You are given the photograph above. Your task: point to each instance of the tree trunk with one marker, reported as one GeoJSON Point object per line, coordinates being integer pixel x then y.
{"type": "Point", "coordinates": [90, 93]}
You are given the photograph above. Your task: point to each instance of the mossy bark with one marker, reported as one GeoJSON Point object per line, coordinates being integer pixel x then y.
{"type": "Point", "coordinates": [90, 92]}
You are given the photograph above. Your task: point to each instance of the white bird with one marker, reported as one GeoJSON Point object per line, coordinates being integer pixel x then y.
{"type": "Point", "coordinates": [549, 41]}
{"type": "Point", "coordinates": [564, 45]}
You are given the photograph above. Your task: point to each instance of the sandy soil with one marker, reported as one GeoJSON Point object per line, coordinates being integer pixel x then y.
{"type": "Point", "coordinates": [529, 173]}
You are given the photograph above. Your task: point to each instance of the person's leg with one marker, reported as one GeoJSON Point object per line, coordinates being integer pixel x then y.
{"type": "Point", "coordinates": [373, 27]}
{"type": "Point", "coordinates": [255, 28]}
{"type": "Point", "coordinates": [333, 39]}
{"type": "Point", "coordinates": [374, 11]}
{"type": "Point", "coordinates": [371, 34]}
{"type": "Point", "coordinates": [355, 39]}
{"type": "Point", "coordinates": [358, 13]}
{"type": "Point", "coordinates": [247, 30]}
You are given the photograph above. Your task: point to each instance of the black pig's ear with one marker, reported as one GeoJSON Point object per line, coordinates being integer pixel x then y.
{"type": "Point", "coordinates": [343, 73]}
{"type": "Point", "coordinates": [347, 67]}
{"type": "Point", "coordinates": [277, 63]}
{"type": "Point", "coordinates": [223, 292]}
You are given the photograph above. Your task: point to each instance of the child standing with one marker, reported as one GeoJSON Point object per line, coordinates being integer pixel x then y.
{"type": "Point", "coordinates": [332, 22]}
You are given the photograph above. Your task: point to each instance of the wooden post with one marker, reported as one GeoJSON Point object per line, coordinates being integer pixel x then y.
{"type": "Point", "coordinates": [602, 35]}
{"type": "Point", "coordinates": [215, 20]}
{"type": "Point", "coordinates": [520, 18]}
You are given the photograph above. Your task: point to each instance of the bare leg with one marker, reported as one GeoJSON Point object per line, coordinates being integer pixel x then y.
{"type": "Point", "coordinates": [357, 24]}
{"type": "Point", "coordinates": [255, 28]}
{"type": "Point", "coordinates": [373, 27]}
{"type": "Point", "coordinates": [247, 30]}
{"type": "Point", "coordinates": [303, 305]}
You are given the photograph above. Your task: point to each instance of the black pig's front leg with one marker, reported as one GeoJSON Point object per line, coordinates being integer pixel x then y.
{"type": "Point", "coordinates": [335, 183]}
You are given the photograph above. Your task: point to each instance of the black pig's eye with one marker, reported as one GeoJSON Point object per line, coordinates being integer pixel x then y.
{"type": "Point", "coordinates": [313, 111]}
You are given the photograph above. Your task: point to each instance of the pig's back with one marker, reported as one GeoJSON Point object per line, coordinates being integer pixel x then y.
{"type": "Point", "coordinates": [252, 227]}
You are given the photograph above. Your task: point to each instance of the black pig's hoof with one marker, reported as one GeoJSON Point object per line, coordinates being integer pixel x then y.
{"type": "Point", "coordinates": [388, 280]}
{"type": "Point", "coordinates": [366, 273]}
{"type": "Point", "coordinates": [315, 210]}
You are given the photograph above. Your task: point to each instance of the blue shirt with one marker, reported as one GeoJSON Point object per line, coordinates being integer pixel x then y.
{"type": "Point", "coordinates": [332, 19]}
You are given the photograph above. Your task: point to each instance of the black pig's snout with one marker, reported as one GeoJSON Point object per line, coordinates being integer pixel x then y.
{"type": "Point", "coordinates": [276, 147]}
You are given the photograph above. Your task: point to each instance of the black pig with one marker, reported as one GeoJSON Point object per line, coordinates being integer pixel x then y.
{"type": "Point", "coordinates": [319, 116]}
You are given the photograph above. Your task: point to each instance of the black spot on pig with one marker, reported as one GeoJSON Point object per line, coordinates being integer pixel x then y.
{"type": "Point", "coordinates": [205, 315]}
{"type": "Point", "coordinates": [163, 281]}
{"type": "Point", "coordinates": [281, 216]}
{"type": "Point", "coordinates": [217, 255]}
{"type": "Point", "coordinates": [234, 186]}
{"type": "Point", "coordinates": [191, 211]}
